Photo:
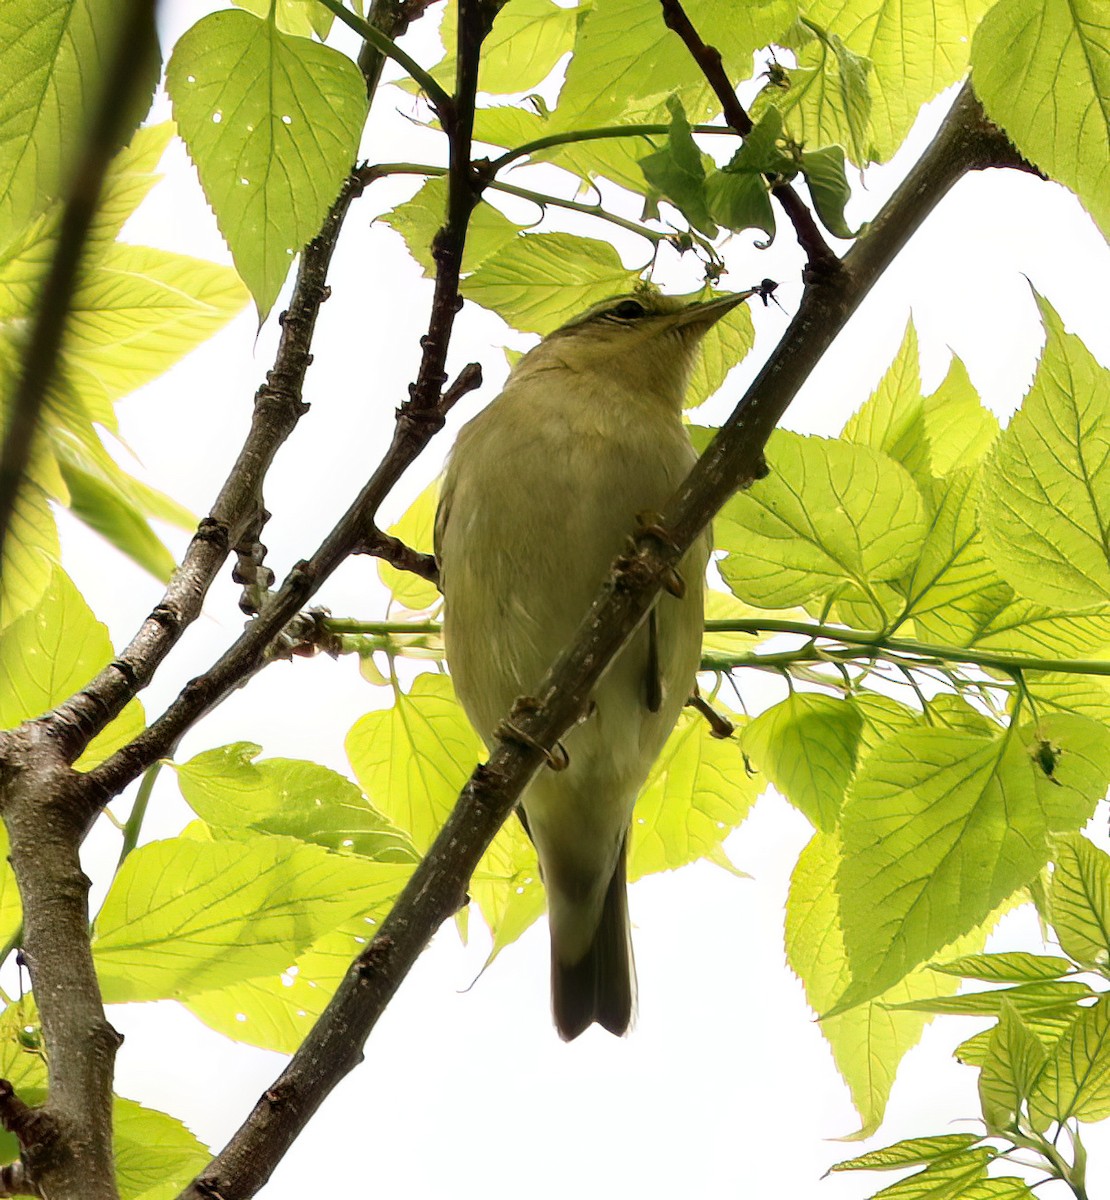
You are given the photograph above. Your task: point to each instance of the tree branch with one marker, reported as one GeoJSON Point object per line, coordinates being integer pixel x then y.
{"type": "Point", "coordinates": [734, 459]}
{"type": "Point", "coordinates": [238, 508]}
{"type": "Point", "coordinates": [708, 58]}
{"type": "Point", "coordinates": [418, 420]}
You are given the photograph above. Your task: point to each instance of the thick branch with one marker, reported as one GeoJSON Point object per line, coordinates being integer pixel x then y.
{"type": "Point", "coordinates": [71, 1151]}
{"type": "Point", "coordinates": [708, 59]}
{"type": "Point", "coordinates": [734, 459]}
{"type": "Point", "coordinates": [123, 79]}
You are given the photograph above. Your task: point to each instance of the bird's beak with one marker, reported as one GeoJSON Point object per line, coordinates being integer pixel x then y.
{"type": "Point", "coordinates": [700, 317]}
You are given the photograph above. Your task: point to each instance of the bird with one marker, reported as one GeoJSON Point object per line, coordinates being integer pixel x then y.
{"type": "Point", "coordinates": [542, 491]}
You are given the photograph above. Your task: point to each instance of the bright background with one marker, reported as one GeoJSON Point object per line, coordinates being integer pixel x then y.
{"type": "Point", "coordinates": [725, 1087]}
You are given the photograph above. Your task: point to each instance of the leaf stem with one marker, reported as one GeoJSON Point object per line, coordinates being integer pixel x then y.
{"type": "Point", "coordinates": [134, 823]}
{"type": "Point", "coordinates": [387, 46]}
{"type": "Point", "coordinates": [876, 643]}
{"type": "Point", "coordinates": [593, 135]}
{"type": "Point", "coordinates": [905, 646]}
{"type": "Point", "coordinates": [543, 199]}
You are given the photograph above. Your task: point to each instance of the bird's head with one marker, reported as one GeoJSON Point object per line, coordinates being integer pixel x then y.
{"type": "Point", "coordinates": [643, 340]}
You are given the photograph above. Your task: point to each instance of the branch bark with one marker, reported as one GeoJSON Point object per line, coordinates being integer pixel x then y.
{"type": "Point", "coordinates": [966, 141]}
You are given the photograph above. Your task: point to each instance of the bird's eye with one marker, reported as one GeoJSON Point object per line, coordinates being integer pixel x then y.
{"type": "Point", "coordinates": [629, 310]}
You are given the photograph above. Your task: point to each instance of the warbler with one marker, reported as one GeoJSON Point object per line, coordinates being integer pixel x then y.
{"type": "Point", "coordinates": [541, 493]}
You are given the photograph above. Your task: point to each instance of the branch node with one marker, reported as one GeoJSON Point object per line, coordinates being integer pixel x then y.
{"type": "Point", "coordinates": [375, 957]}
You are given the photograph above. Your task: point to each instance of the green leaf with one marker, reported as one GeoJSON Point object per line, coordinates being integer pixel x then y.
{"type": "Point", "coordinates": [413, 759]}
{"type": "Point", "coordinates": [953, 589]}
{"type": "Point", "coordinates": [912, 1152]}
{"type": "Point", "coordinates": [806, 745]}
{"type": "Point", "coordinates": [1025, 627]}
{"type": "Point", "coordinates": [955, 1176]}
{"type": "Point", "coordinates": [727, 343]}
{"type": "Point", "coordinates": [1042, 70]}
{"type": "Point", "coordinates": [740, 200]}
{"type": "Point", "coordinates": [882, 718]}
{"type": "Point", "coordinates": [954, 712]}
{"type": "Point", "coordinates": [527, 40]}
{"type": "Point", "coordinates": [825, 99]}
{"type": "Point", "coordinates": [11, 908]}
{"type": "Point", "coordinates": [506, 886]}
{"type": "Point", "coordinates": [272, 123]}
{"type": "Point", "coordinates": [739, 195]}
{"type": "Point", "coordinates": [53, 59]}
{"type": "Point", "coordinates": [615, 158]}
{"type": "Point", "coordinates": [869, 1041]}
{"type": "Point", "coordinates": [138, 311]}
{"type": "Point", "coordinates": [1075, 1081]}
{"type": "Point", "coordinates": [418, 221]}
{"type": "Point", "coordinates": [1016, 966]}
{"type": "Point", "coordinates": [677, 171]}
{"type": "Point", "coordinates": [1013, 1064]}
{"type": "Point", "coordinates": [415, 529]}
{"type": "Point", "coordinates": [1079, 900]}
{"type": "Point", "coordinates": [31, 550]}
{"type": "Point", "coordinates": [302, 18]}
{"type": "Point", "coordinates": [698, 792]}
{"type": "Point", "coordinates": [1047, 1028]}
{"type": "Point", "coordinates": [104, 509]}
{"type": "Point", "coordinates": [184, 916]}
{"type": "Point", "coordinates": [916, 49]}
{"type": "Point", "coordinates": [152, 1148]}
{"type": "Point", "coordinates": [766, 149]}
{"type": "Point", "coordinates": [25, 260]}
{"type": "Point", "coordinates": [893, 417]}
{"type": "Point", "coordinates": [48, 654]}
{"type": "Point", "coordinates": [276, 1011]}
{"type": "Point", "coordinates": [959, 429]}
{"type": "Point", "coordinates": [1036, 999]}
{"type": "Point", "coordinates": [539, 281]}
{"type": "Point", "coordinates": [828, 186]}
{"type": "Point", "coordinates": [829, 513]}
{"type": "Point", "coordinates": [290, 797]}
{"type": "Point", "coordinates": [626, 61]}
{"type": "Point", "coordinates": [1046, 495]}
{"type": "Point", "coordinates": [940, 827]}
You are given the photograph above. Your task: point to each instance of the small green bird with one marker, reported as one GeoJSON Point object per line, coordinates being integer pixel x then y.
{"type": "Point", "coordinates": [541, 493]}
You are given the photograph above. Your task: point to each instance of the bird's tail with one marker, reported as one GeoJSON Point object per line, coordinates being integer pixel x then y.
{"type": "Point", "coordinates": [601, 986]}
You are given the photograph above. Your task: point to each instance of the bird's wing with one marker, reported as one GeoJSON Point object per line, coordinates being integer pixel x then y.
{"type": "Point", "coordinates": [443, 513]}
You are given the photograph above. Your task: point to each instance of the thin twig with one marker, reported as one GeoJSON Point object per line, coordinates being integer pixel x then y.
{"type": "Point", "coordinates": [708, 58]}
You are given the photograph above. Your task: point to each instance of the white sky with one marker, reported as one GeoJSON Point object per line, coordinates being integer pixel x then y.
{"type": "Point", "coordinates": [726, 1086]}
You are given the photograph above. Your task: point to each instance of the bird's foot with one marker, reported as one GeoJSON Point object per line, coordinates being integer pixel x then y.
{"type": "Point", "coordinates": [719, 725]}
{"type": "Point", "coordinates": [556, 758]}
{"type": "Point", "coordinates": [652, 523]}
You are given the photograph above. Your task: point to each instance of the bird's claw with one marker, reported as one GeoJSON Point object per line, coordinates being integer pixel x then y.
{"type": "Point", "coordinates": [556, 758]}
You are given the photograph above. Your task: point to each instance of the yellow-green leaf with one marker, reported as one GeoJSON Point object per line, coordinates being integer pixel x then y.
{"type": "Point", "coordinates": [939, 827]}
{"type": "Point", "coordinates": [412, 759]}
{"type": "Point", "coordinates": [184, 916]}
{"type": "Point", "coordinates": [539, 281]}
{"type": "Point", "coordinates": [830, 513]}
{"type": "Point", "coordinates": [1042, 70]}
{"type": "Point", "coordinates": [272, 123]}
{"type": "Point", "coordinates": [415, 529]}
{"type": "Point", "coordinates": [1046, 495]}
{"type": "Point", "coordinates": [806, 745]}
{"type": "Point", "coordinates": [698, 792]}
